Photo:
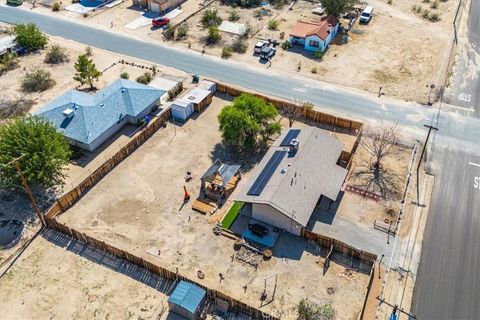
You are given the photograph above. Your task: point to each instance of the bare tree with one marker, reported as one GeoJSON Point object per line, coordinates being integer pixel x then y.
{"type": "Point", "coordinates": [378, 140]}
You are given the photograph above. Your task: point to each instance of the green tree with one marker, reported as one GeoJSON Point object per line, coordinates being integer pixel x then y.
{"type": "Point", "coordinates": [28, 36]}
{"type": "Point", "coordinates": [86, 71]}
{"type": "Point", "coordinates": [213, 35]}
{"type": "Point", "coordinates": [247, 120]}
{"type": "Point", "coordinates": [211, 18]}
{"type": "Point", "coordinates": [169, 32]}
{"type": "Point", "coordinates": [45, 152]}
{"type": "Point", "coordinates": [336, 8]}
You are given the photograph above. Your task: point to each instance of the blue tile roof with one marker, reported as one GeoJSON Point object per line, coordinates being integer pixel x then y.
{"type": "Point", "coordinates": [187, 295]}
{"type": "Point", "coordinates": [95, 114]}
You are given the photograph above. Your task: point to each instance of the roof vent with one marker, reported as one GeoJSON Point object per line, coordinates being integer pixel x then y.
{"type": "Point", "coordinates": [123, 90]}
{"type": "Point", "coordinates": [68, 113]}
{"type": "Point", "coordinates": [294, 145]}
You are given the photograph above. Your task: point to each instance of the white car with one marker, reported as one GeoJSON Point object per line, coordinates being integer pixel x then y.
{"type": "Point", "coordinates": [318, 10]}
{"type": "Point", "coordinates": [260, 45]}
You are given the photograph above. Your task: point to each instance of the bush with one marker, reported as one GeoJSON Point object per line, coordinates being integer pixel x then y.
{"type": "Point", "coordinates": [258, 13]}
{"type": "Point", "coordinates": [273, 24]}
{"type": "Point", "coordinates": [182, 31]}
{"type": "Point", "coordinates": [213, 35]}
{"type": "Point", "coordinates": [175, 91]}
{"type": "Point", "coordinates": [247, 31]}
{"type": "Point", "coordinates": [314, 70]}
{"type": "Point", "coordinates": [434, 17]}
{"type": "Point", "coordinates": [8, 62]}
{"type": "Point", "coordinates": [318, 54]}
{"type": "Point", "coordinates": [308, 310]}
{"type": "Point", "coordinates": [239, 45]}
{"type": "Point", "coordinates": [88, 51]}
{"type": "Point", "coordinates": [211, 18]}
{"type": "Point", "coordinates": [56, 54]}
{"type": "Point", "coordinates": [169, 32]}
{"type": "Point", "coordinates": [145, 78]}
{"type": "Point", "coordinates": [28, 36]}
{"type": "Point", "coordinates": [434, 4]}
{"type": "Point", "coordinates": [37, 81]}
{"type": "Point", "coordinates": [426, 14]}
{"type": "Point", "coordinates": [242, 3]}
{"type": "Point", "coordinates": [233, 15]}
{"type": "Point", "coordinates": [279, 4]}
{"type": "Point", "coordinates": [15, 108]}
{"type": "Point", "coordinates": [389, 2]}
{"type": "Point", "coordinates": [124, 75]}
{"type": "Point", "coordinates": [226, 52]}
{"type": "Point", "coordinates": [75, 1]}
{"type": "Point", "coordinates": [285, 45]}
{"type": "Point", "coordinates": [282, 35]}
{"type": "Point", "coordinates": [56, 6]}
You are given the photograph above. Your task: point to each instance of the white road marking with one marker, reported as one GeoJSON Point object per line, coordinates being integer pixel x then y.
{"type": "Point", "coordinates": [474, 164]}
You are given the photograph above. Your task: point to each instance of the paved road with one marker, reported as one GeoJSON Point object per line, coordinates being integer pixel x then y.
{"type": "Point", "coordinates": [450, 267]}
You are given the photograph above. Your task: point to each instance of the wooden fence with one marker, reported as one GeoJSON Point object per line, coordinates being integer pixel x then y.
{"type": "Point", "coordinates": [369, 287]}
{"type": "Point", "coordinates": [361, 260]}
{"type": "Point", "coordinates": [212, 294]}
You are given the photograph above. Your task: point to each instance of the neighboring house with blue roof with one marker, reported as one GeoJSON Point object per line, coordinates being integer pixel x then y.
{"type": "Point", "coordinates": [88, 120]}
{"type": "Point", "coordinates": [187, 300]}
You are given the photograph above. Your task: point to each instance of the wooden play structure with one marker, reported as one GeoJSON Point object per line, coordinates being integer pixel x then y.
{"type": "Point", "coordinates": [217, 184]}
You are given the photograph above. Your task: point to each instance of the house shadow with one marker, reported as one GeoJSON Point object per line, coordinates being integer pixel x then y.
{"type": "Point", "coordinates": [325, 211]}
{"type": "Point", "coordinates": [108, 260]}
{"type": "Point", "coordinates": [82, 157]}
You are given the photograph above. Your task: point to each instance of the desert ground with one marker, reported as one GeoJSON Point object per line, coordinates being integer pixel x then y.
{"type": "Point", "coordinates": [399, 50]}
{"type": "Point", "coordinates": [138, 207]}
{"type": "Point", "coordinates": [49, 281]}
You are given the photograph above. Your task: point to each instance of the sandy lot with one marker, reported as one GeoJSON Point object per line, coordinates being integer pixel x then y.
{"type": "Point", "coordinates": [49, 282]}
{"type": "Point", "coordinates": [138, 207]}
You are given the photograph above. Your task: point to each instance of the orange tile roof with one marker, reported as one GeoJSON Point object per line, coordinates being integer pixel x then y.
{"type": "Point", "coordinates": [322, 28]}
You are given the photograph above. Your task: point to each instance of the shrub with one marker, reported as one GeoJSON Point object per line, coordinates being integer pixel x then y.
{"type": "Point", "coordinates": [56, 6]}
{"type": "Point", "coordinates": [247, 31]}
{"type": "Point", "coordinates": [145, 78]}
{"type": "Point", "coordinates": [258, 13]}
{"type": "Point", "coordinates": [182, 31]}
{"type": "Point", "coordinates": [318, 54]}
{"type": "Point", "coordinates": [124, 75]}
{"type": "Point", "coordinates": [28, 36]}
{"type": "Point", "coordinates": [389, 2]}
{"type": "Point", "coordinates": [279, 4]}
{"type": "Point", "coordinates": [273, 24]}
{"type": "Point", "coordinates": [213, 35]}
{"type": "Point", "coordinates": [242, 3]}
{"type": "Point", "coordinates": [211, 18]}
{"type": "Point", "coordinates": [9, 61]}
{"type": "Point", "coordinates": [314, 70]}
{"type": "Point", "coordinates": [233, 16]}
{"type": "Point", "coordinates": [169, 32]}
{"type": "Point", "coordinates": [239, 45]}
{"type": "Point", "coordinates": [426, 13]}
{"type": "Point", "coordinates": [434, 4]}
{"type": "Point", "coordinates": [15, 107]}
{"type": "Point", "coordinates": [285, 45]}
{"type": "Point", "coordinates": [175, 91]}
{"type": "Point", "coordinates": [434, 17]}
{"type": "Point", "coordinates": [56, 54]}
{"type": "Point", "coordinates": [226, 52]}
{"type": "Point", "coordinates": [88, 51]}
{"type": "Point", "coordinates": [282, 35]}
{"type": "Point", "coordinates": [37, 81]}
{"type": "Point", "coordinates": [308, 105]}
{"type": "Point", "coordinates": [75, 1]}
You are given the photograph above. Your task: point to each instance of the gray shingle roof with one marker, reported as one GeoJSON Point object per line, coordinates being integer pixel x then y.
{"type": "Point", "coordinates": [95, 114]}
{"type": "Point", "coordinates": [297, 184]}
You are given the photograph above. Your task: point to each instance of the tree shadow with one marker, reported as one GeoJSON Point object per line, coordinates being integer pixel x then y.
{"type": "Point", "coordinates": [231, 155]}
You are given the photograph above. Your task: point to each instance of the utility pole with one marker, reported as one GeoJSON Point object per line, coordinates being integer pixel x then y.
{"type": "Point", "coordinates": [395, 310]}
{"type": "Point", "coordinates": [430, 127]}
{"type": "Point", "coordinates": [27, 188]}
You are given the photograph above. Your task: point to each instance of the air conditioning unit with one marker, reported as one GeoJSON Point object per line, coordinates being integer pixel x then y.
{"type": "Point", "coordinates": [68, 113]}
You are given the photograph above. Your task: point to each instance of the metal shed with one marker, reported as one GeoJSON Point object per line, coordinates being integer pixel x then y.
{"type": "Point", "coordinates": [182, 109]}
{"type": "Point", "coordinates": [208, 85]}
{"type": "Point", "coordinates": [187, 300]}
{"type": "Point", "coordinates": [200, 98]}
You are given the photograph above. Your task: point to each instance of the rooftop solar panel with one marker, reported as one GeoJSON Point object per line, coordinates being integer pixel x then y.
{"type": "Point", "coordinates": [292, 134]}
{"type": "Point", "coordinates": [266, 173]}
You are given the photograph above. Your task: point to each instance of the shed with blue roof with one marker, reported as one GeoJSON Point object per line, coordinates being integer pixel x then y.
{"type": "Point", "coordinates": [88, 120]}
{"type": "Point", "coordinates": [187, 300]}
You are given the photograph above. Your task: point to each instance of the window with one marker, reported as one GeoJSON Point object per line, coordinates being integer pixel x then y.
{"type": "Point", "coordinates": [314, 43]}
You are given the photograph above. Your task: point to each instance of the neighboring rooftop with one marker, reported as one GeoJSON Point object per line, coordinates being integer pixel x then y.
{"type": "Point", "coordinates": [322, 28]}
{"type": "Point", "coordinates": [188, 296]}
{"type": "Point", "coordinates": [84, 117]}
{"type": "Point", "coordinates": [196, 95]}
{"type": "Point", "coordinates": [292, 182]}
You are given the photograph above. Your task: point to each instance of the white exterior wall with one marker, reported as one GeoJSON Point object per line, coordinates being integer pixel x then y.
{"type": "Point", "coordinates": [267, 214]}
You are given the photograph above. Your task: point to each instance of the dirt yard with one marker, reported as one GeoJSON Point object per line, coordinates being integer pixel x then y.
{"type": "Point", "coordinates": [49, 282]}
{"type": "Point", "coordinates": [138, 207]}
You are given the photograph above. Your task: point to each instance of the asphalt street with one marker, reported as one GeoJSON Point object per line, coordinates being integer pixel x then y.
{"type": "Point", "coordinates": [448, 280]}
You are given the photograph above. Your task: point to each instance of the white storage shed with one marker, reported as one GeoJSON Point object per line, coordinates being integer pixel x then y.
{"type": "Point", "coordinates": [182, 109]}
{"type": "Point", "coordinates": [208, 85]}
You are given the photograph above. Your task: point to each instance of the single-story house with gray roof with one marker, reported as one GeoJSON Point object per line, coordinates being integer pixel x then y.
{"type": "Point", "coordinates": [88, 120]}
{"type": "Point", "coordinates": [299, 168]}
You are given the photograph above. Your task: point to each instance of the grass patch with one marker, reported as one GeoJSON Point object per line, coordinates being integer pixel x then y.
{"type": "Point", "coordinates": [232, 214]}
